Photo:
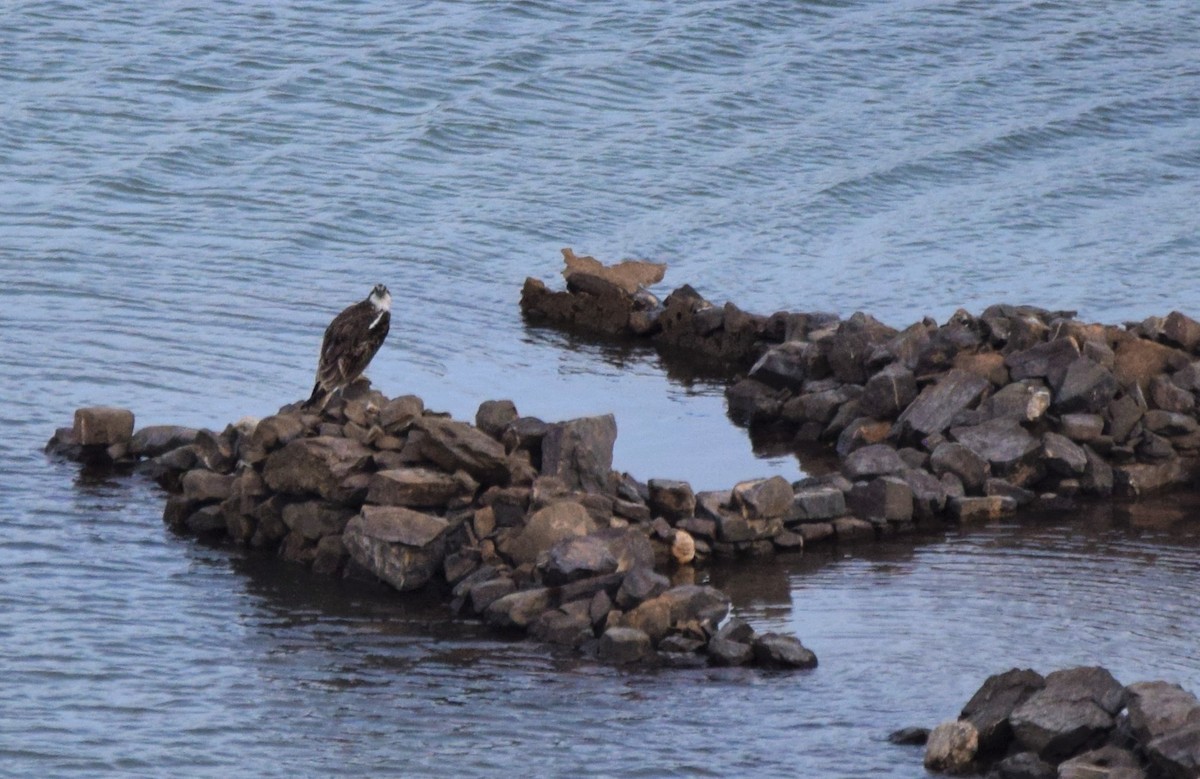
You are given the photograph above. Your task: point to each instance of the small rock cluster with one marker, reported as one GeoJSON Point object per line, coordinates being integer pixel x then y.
{"type": "Point", "coordinates": [522, 522]}
{"type": "Point", "coordinates": [1078, 723]}
{"type": "Point", "coordinates": [965, 420]}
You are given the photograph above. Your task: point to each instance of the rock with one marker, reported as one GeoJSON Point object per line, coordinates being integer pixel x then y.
{"type": "Point", "coordinates": [972, 469]}
{"type": "Point", "coordinates": [315, 466]}
{"type": "Point", "coordinates": [563, 627]}
{"type": "Point", "coordinates": [1047, 360]}
{"type": "Point", "coordinates": [817, 504]}
{"type": "Point", "coordinates": [1181, 330]}
{"type": "Point", "coordinates": [774, 650]}
{"type": "Point", "coordinates": [580, 452]}
{"type": "Point", "coordinates": [313, 519]}
{"type": "Point", "coordinates": [1062, 455]}
{"type": "Point", "coordinates": [103, 426]}
{"type": "Point", "coordinates": [1002, 442]}
{"type": "Point", "coordinates": [909, 736]}
{"type": "Point", "coordinates": [1005, 489]}
{"type": "Point", "coordinates": [547, 526]}
{"type": "Point", "coordinates": [1025, 765]}
{"type": "Point", "coordinates": [155, 440]}
{"type": "Point", "coordinates": [851, 528]}
{"type": "Point", "coordinates": [888, 392]}
{"type": "Point", "coordinates": [456, 446]}
{"type": "Point", "coordinates": [671, 499]}
{"type": "Point", "coordinates": [683, 547]}
{"type": "Point", "coordinates": [861, 431]}
{"type": "Point", "coordinates": [1165, 395]}
{"type": "Point", "coordinates": [885, 498]}
{"type": "Point", "coordinates": [270, 434]}
{"type": "Point", "coordinates": [697, 603]}
{"type": "Point", "coordinates": [1024, 401]}
{"type": "Point", "coordinates": [1123, 414]}
{"type": "Point", "coordinates": [969, 510]}
{"type": "Point", "coordinates": [1073, 712]}
{"type": "Point", "coordinates": [938, 404]}
{"type": "Point", "coordinates": [1082, 428]}
{"type": "Point", "coordinates": [206, 520]}
{"type": "Point", "coordinates": [1158, 708]}
{"type": "Point", "coordinates": [1177, 754]}
{"type": "Point", "coordinates": [652, 617]}
{"type": "Point", "coordinates": [1098, 476]}
{"type": "Point", "coordinates": [640, 584]}
{"type": "Point", "coordinates": [852, 344]}
{"type": "Point", "coordinates": [627, 275]}
{"type": "Point", "coordinates": [202, 486]}
{"type": "Point", "coordinates": [494, 416]}
{"type": "Point", "coordinates": [751, 401]}
{"type": "Point", "coordinates": [518, 609]}
{"type": "Point", "coordinates": [788, 365]}
{"type": "Point", "coordinates": [951, 747]}
{"type": "Point", "coordinates": [400, 546]}
{"type": "Point", "coordinates": [1137, 361]}
{"type": "Point", "coordinates": [991, 706]}
{"type": "Point", "coordinates": [871, 461]}
{"type": "Point", "coordinates": [577, 557]}
{"type": "Point", "coordinates": [1169, 423]}
{"type": "Point", "coordinates": [1107, 762]}
{"type": "Point", "coordinates": [485, 593]}
{"type": "Point", "coordinates": [629, 546]}
{"type": "Point", "coordinates": [763, 498]}
{"type": "Point", "coordinates": [1086, 387]}
{"type": "Point", "coordinates": [724, 652]}
{"type": "Point", "coordinates": [928, 494]}
{"type": "Point", "coordinates": [623, 645]}
{"type": "Point", "coordinates": [329, 556]}
{"type": "Point", "coordinates": [1145, 478]}
{"type": "Point", "coordinates": [418, 487]}
{"type": "Point", "coordinates": [815, 532]}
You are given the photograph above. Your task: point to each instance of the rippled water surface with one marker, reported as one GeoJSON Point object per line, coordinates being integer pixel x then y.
{"type": "Point", "coordinates": [189, 192]}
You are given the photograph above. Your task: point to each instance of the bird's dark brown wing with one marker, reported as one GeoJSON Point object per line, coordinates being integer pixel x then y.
{"type": "Point", "coordinates": [350, 343]}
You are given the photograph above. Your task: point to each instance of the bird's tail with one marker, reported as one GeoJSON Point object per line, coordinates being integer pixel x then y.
{"type": "Point", "coordinates": [317, 397]}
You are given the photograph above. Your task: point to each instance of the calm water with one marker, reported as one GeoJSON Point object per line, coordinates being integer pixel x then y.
{"type": "Point", "coordinates": [188, 193]}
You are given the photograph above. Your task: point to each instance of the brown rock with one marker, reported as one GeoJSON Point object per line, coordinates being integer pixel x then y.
{"type": "Point", "coordinates": [313, 519]}
{"type": "Point", "coordinates": [580, 452]}
{"type": "Point", "coordinates": [547, 526]}
{"type": "Point", "coordinates": [455, 446]}
{"type": "Point", "coordinates": [202, 486]}
{"type": "Point", "coordinates": [103, 426]}
{"type": "Point", "coordinates": [939, 403]}
{"type": "Point", "coordinates": [627, 275]}
{"type": "Point", "coordinates": [315, 466]}
{"type": "Point", "coordinates": [418, 487]}
{"type": "Point", "coordinates": [1182, 331]}
{"type": "Point", "coordinates": [624, 645]}
{"type": "Point", "coordinates": [769, 498]}
{"type": "Point", "coordinates": [494, 416]}
{"type": "Point", "coordinates": [671, 499]}
{"type": "Point", "coordinates": [518, 609]}
{"type": "Point", "coordinates": [951, 747]}
{"type": "Point", "coordinates": [1138, 361]}
{"type": "Point", "coordinates": [400, 546]}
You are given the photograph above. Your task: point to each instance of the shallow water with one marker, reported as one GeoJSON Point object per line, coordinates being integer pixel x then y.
{"type": "Point", "coordinates": [189, 193]}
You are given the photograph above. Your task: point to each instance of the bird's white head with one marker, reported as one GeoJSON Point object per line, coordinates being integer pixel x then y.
{"type": "Point", "coordinates": [381, 298]}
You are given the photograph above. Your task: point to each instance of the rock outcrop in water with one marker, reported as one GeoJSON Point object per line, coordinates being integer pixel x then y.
{"type": "Point", "coordinates": [523, 522]}
{"type": "Point", "coordinates": [1072, 724]}
{"type": "Point", "coordinates": [963, 421]}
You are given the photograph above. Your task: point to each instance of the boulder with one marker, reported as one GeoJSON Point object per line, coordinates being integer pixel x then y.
{"type": "Point", "coordinates": [627, 275]}
{"type": "Point", "coordinates": [202, 486]}
{"type": "Point", "coordinates": [456, 446]}
{"type": "Point", "coordinates": [885, 498]}
{"type": "Point", "coordinates": [888, 392]}
{"type": "Point", "coordinates": [546, 527]}
{"type": "Point", "coordinates": [1181, 330]}
{"type": "Point", "coordinates": [671, 499]}
{"type": "Point", "coordinates": [1024, 401]}
{"type": "Point", "coordinates": [518, 609]}
{"type": "Point", "coordinates": [683, 547]}
{"type": "Point", "coordinates": [1158, 708]}
{"type": "Point", "coordinates": [1047, 360]}
{"type": "Point", "coordinates": [991, 706]}
{"type": "Point", "coordinates": [726, 652]}
{"type": "Point", "coordinates": [870, 461]}
{"type": "Point", "coordinates": [640, 584]}
{"type": "Point", "coordinates": [1107, 762]}
{"type": "Point", "coordinates": [652, 616]}
{"type": "Point", "coordinates": [951, 747]}
{"type": "Point", "coordinates": [763, 498]}
{"type": "Point", "coordinates": [580, 452]}
{"type": "Point", "coordinates": [1025, 765]}
{"type": "Point", "coordinates": [316, 466]}
{"type": "Point", "coordinates": [1138, 360]}
{"type": "Point", "coordinates": [988, 508]}
{"type": "Point", "coordinates": [1177, 754]}
{"type": "Point", "coordinates": [577, 557]}
{"type": "Point", "coordinates": [788, 365]}
{"type": "Point", "coordinates": [817, 504]}
{"type": "Point", "coordinates": [971, 468]}
{"type": "Point", "coordinates": [313, 519]}
{"type": "Point", "coordinates": [909, 736]}
{"type": "Point", "coordinates": [494, 416]}
{"type": "Point", "coordinates": [400, 546]}
{"type": "Point", "coordinates": [1166, 395]}
{"type": "Point", "coordinates": [155, 440]}
{"type": "Point", "coordinates": [1074, 711]}
{"type": "Point", "coordinates": [928, 494]}
{"type": "Point", "coordinates": [418, 487]}
{"type": "Point", "coordinates": [1082, 428]}
{"type": "Point", "coordinates": [774, 650]}
{"type": "Point", "coordinates": [1062, 455]}
{"type": "Point", "coordinates": [624, 645]}
{"type": "Point", "coordinates": [1087, 387]}
{"type": "Point", "coordinates": [103, 426]}
{"type": "Point", "coordinates": [398, 414]}
{"type": "Point", "coordinates": [751, 401]}
{"type": "Point", "coordinates": [697, 603]}
{"type": "Point", "coordinates": [938, 404]}
{"type": "Point", "coordinates": [565, 626]}
{"type": "Point", "coordinates": [1002, 442]}
{"type": "Point", "coordinates": [271, 433]}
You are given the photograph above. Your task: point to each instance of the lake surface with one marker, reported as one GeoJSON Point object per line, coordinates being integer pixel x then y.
{"type": "Point", "coordinates": [188, 193]}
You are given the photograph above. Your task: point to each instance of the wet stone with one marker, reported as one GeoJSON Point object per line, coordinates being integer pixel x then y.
{"type": "Point", "coordinates": [763, 498]}
{"type": "Point", "coordinates": [103, 426]}
{"type": "Point", "coordinates": [870, 461]}
{"type": "Point", "coordinates": [938, 404]}
{"type": "Point", "coordinates": [972, 469]}
{"type": "Point", "coordinates": [671, 499]}
{"type": "Point", "coordinates": [624, 645]}
{"type": "Point", "coordinates": [951, 747]}
{"type": "Point", "coordinates": [774, 650]}
{"type": "Point", "coordinates": [1082, 428]}
{"type": "Point", "coordinates": [817, 504]}
{"type": "Point", "coordinates": [580, 452]}
{"type": "Point", "coordinates": [1062, 455]}
{"type": "Point", "coordinates": [494, 416]}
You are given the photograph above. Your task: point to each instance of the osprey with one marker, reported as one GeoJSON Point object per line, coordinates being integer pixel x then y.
{"type": "Point", "coordinates": [351, 340]}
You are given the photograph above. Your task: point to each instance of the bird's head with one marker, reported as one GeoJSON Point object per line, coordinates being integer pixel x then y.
{"type": "Point", "coordinates": [381, 298]}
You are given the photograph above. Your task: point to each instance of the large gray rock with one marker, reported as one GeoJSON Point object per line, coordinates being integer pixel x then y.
{"type": "Point", "coordinates": [640, 584]}
{"type": "Point", "coordinates": [885, 498]}
{"type": "Point", "coordinates": [400, 546]}
{"type": "Point", "coordinates": [698, 603]}
{"type": "Point", "coordinates": [1025, 401]}
{"type": "Point", "coordinates": [1002, 442]}
{"type": "Point", "coordinates": [623, 645]}
{"type": "Point", "coordinates": [458, 446]}
{"type": "Point", "coordinates": [763, 498]}
{"type": "Point", "coordinates": [817, 504]}
{"type": "Point", "coordinates": [991, 706]}
{"type": "Point", "coordinates": [1158, 708]}
{"type": "Point", "coordinates": [548, 526]}
{"type": "Point", "coordinates": [154, 440]}
{"type": "Point", "coordinates": [938, 404]}
{"type": "Point", "coordinates": [577, 557]}
{"type": "Point", "coordinates": [928, 493]}
{"type": "Point", "coordinates": [316, 466]}
{"type": "Point", "coordinates": [1062, 455]}
{"type": "Point", "coordinates": [951, 747]}
{"type": "Point", "coordinates": [1182, 330]}
{"type": "Point", "coordinates": [203, 486]}
{"type": "Point", "coordinates": [313, 519]}
{"type": "Point", "coordinates": [1047, 360]}
{"type": "Point", "coordinates": [1025, 765]}
{"type": "Point", "coordinates": [518, 609]}
{"type": "Point", "coordinates": [888, 392]}
{"type": "Point", "coordinates": [774, 650]}
{"type": "Point", "coordinates": [103, 426]}
{"type": "Point", "coordinates": [494, 416]}
{"type": "Point", "coordinates": [971, 468]}
{"type": "Point", "coordinates": [1177, 753]}
{"type": "Point", "coordinates": [418, 487]}
{"type": "Point", "coordinates": [671, 498]}
{"type": "Point", "coordinates": [1073, 712]}
{"type": "Point", "coordinates": [1107, 762]}
{"type": "Point", "coordinates": [1086, 387]}
{"type": "Point", "coordinates": [871, 461]}
{"type": "Point", "coordinates": [789, 364]}
{"type": "Point", "coordinates": [580, 452]}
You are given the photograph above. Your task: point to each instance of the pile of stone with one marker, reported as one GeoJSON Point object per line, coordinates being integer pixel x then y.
{"type": "Point", "coordinates": [1078, 723]}
{"type": "Point", "coordinates": [964, 420]}
{"type": "Point", "coordinates": [522, 522]}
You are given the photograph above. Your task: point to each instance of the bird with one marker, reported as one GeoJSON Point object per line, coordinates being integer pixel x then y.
{"type": "Point", "coordinates": [351, 340]}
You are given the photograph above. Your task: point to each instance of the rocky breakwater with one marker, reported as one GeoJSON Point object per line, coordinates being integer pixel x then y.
{"type": "Point", "coordinates": [963, 420]}
{"type": "Point", "coordinates": [1078, 723]}
{"type": "Point", "coordinates": [519, 521]}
